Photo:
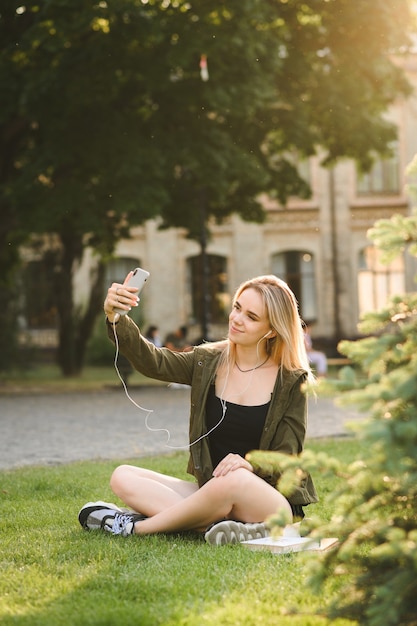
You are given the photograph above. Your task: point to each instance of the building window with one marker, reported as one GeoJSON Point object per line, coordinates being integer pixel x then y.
{"type": "Point", "coordinates": [378, 282]}
{"type": "Point", "coordinates": [38, 280]}
{"type": "Point", "coordinates": [118, 269]}
{"type": "Point", "coordinates": [304, 170]}
{"type": "Point", "coordinates": [116, 272]}
{"type": "Point", "coordinates": [217, 299]}
{"type": "Point", "coordinates": [297, 269]}
{"type": "Point", "coordinates": [383, 178]}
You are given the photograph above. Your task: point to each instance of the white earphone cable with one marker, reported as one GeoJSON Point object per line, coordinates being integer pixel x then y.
{"type": "Point", "coordinates": [150, 411]}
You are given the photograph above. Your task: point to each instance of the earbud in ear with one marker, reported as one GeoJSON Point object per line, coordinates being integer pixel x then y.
{"type": "Point", "coordinates": [268, 333]}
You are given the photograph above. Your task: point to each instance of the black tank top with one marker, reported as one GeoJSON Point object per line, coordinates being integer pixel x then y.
{"type": "Point", "coordinates": [239, 432]}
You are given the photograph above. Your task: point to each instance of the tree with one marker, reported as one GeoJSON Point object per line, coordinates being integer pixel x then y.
{"type": "Point", "coordinates": [71, 166]}
{"type": "Point", "coordinates": [106, 121]}
{"type": "Point", "coordinates": [375, 514]}
{"type": "Point", "coordinates": [377, 504]}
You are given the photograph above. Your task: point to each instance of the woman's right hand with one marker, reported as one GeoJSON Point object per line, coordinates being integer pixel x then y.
{"type": "Point", "coordinates": [230, 463]}
{"type": "Point", "coordinates": [121, 297]}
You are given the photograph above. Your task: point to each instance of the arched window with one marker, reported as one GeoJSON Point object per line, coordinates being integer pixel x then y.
{"type": "Point", "coordinates": [116, 272]}
{"type": "Point", "coordinates": [217, 299]}
{"type": "Point", "coordinates": [383, 177]}
{"type": "Point", "coordinates": [39, 310]}
{"type": "Point", "coordinates": [297, 269]}
{"type": "Point", "coordinates": [378, 282]}
{"type": "Point", "coordinates": [118, 269]}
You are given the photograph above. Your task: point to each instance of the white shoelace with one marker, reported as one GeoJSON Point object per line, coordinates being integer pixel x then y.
{"type": "Point", "coordinates": [120, 522]}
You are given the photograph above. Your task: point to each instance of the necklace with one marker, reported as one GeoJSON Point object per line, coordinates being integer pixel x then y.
{"type": "Point", "coordinates": [252, 368]}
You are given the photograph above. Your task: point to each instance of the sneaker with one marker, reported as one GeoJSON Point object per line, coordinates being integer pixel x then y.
{"type": "Point", "coordinates": [122, 523]}
{"type": "Point", "coordinates": [229, 531]}
{"type": "Point", "coordinates": [105, 515]}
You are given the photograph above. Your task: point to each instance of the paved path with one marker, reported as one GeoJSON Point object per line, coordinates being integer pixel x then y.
{"type": "Point", "coordinates": [47, 429]}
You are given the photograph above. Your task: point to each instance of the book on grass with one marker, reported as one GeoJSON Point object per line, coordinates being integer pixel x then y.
{"type": "Point", "coordinates": [284, 545]}
{"type": "Point", "coordinates": [291, 541]}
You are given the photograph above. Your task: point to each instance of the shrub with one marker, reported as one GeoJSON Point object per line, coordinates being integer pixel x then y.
{"type": "Point", "coordinates": [375, 508]}
{"type": "Point", "coordinates": [375, 511]}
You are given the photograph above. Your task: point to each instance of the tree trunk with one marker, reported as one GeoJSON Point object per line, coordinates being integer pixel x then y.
{"type": "Point", "coordinates": [9, 262]}
{"type": "Point", "coordinates": [65, 305]}
{"type": "Point", "coordinates": [205, 287]}
{"type": "Point", "coordinates": [86, 322]}
{"type": "Point", "coordinates": [337, 330]}
{"type": "Point", "coordinates": [75, 327]}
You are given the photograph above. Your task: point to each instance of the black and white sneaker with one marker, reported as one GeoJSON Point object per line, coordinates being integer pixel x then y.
{"type": "Point", "coordinates": [108, 517]}
{"type": "Point", "coordinates": [122, 524]}
{"type": "Point", "coordinates": [229, 531]}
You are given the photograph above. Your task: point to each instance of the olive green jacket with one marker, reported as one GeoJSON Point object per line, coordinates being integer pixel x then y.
{"type": "Point", "coordinates": [286, 420]}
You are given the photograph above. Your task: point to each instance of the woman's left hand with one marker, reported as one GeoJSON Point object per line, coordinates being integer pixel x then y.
{"type": "Point", "coordinates": [230, 463]}
{"type": "Point", "coordinates": [128, 299]}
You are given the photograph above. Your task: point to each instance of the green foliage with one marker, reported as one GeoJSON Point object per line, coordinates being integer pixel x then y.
{"type": "Point", "coordinates": [399, 233]}
{"type": "Point", "coordinates": [378, 503]}
{"type": "Point", "coordinates": [393, 236]}
{"type": "Point", "coordinates": [375, 514]}
{"type": "Point", "coordinates": [100, 350]}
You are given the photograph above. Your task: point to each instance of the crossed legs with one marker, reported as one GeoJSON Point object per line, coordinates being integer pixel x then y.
{"type": "Point", "coordinates": [171, 504]}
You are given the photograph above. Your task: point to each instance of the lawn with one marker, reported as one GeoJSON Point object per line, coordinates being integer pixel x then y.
{"type": "Point", "coordinates": [48, 378]}
{"type": "Point", "coordinates": [53, 573]}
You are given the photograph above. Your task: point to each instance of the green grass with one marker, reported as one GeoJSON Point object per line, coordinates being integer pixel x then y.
{"type": "Point", "coordinates": [48, 378]}
{"type": "Point", "coordinates": [53, 573]}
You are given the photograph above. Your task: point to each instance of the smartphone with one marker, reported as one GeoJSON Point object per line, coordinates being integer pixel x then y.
{"type": "Point", "coordinates": [138, 279]}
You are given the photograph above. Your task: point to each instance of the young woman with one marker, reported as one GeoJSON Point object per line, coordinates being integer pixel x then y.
{"type": "Point", "coordinates": [245, 395]}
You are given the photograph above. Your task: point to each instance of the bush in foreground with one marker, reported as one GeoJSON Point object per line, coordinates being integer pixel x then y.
{"type": "Point", "coordinates": [375, 506]}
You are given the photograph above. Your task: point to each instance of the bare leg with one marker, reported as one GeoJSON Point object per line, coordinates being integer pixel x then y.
{"type": "Point", "coordinates": [149, 492]}
{"type": "Point", "coordinates": [239, 495]}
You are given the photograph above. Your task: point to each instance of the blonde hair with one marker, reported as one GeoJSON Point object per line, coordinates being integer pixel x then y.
{"type": "Point", "coordinates": [287, 347]}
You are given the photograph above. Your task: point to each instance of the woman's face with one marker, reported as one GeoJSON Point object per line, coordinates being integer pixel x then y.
{"type": "Point", "coordinates": [248, 321]}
